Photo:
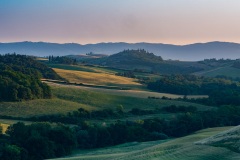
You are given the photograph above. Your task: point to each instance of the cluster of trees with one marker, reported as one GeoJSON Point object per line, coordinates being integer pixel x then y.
{"type": "Point", "coordinates": [28, 65]}
{"type": "Point", "coordinates": [190, 84]}
{"type": "Point", "coordinates": [228, 78]}
{"type": "Point", "coordinates": [37, 141]}
{"type": "Point", "coordinates": [81, 114]}
{"type": "Point", "coordinates": [137, 58]}
{"type": "Point", "coordinates": [220, 91]}
{"type": "Point", "coordinates": [62, 60]}
{"type": "Point", "coordinates": [20, 78]}
{"type": "Point", "coordinates": [177, 109]}
{"type": "Point", "coordinates": [129, 74]}
{"type": "Point", "coordinates": [141, 54]}
{"type": "Point", "coordinates": [237, 64]}
{"type": "Point", "coordinates": [221, 97]}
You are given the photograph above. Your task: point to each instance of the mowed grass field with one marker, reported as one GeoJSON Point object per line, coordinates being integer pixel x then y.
{"type": "Point", "coordinates": [106, 79]}
{"type": "Point", "coordinates": [66, 99]}
{"type": "Point", "coordinates": [73, 67]}
{"type": "Point", "coordinates": [40, 107]}
{"type": "Point", "coordinates": [101, 75]}
{"type": "Point", "coordinates": [102, 100]}
{"type": "Point", "coordinates": [175, 149]}
{"type": "Point", "coordinates": [129, 92]}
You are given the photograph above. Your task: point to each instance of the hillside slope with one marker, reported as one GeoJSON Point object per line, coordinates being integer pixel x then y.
{"type": "Point", "coordinates": [229, 139]}
{"type": "Point", "coordinates": [143, 61]}
{"type": "Point", "coordinates": [192, 52]}
{"type": "Point", "coordinates": [176, 149]}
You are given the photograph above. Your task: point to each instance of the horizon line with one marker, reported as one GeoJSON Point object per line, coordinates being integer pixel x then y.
{"type": "Point", "coordinates": [205, 42]}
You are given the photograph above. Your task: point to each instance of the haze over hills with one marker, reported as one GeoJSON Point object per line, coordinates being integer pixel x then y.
{"type": "Point", "coordinates": [191, 52]}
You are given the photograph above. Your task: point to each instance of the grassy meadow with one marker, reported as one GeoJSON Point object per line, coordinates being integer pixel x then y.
{"type": "Point", "coordinates": [103, 100]}
{"type": "Point", "coordinates": [101, 76]}
{"type": "Point", "coordinates": [175, 149]}
{"type": "Point", "coordinates": [40, 107]}
{"type": "Point", "coordinates": [66, 99]}
{"type": "Point", "coordinates": [97, 78]}
{"type": "Point", "coordinates": [70, 97]}
{"type": "Point", "coordinates": [130, 93]}
{"type": "Point", "coordinates": [73, 67]}
{"type": "Point", "coordinates": [226, 71]}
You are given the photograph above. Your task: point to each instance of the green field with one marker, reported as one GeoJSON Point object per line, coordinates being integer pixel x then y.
{"type": "Point", "coordinates": [130, 92]}
{"type": "Point", "coordinates": [72, 67]}
{"type": "Point", "coordinates": [101, 71]}
{"type": "Point", "coordinates": [226, 71]}
{"type": "Point", "coordinates": [40, 107]}
{"type": "Point", "coordinates": [103, 100]}
{"type": "Point", "coordinates": [66, 99]}
{"type": "Point", "coordinates": [175, 149]}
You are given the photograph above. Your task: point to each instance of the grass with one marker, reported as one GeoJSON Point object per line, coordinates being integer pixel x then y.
{"type": "Point", "coordinates": [4, 127]}
{"type": "Point", "coordinates": [97, 78]}
{"type": "Point", "coordinates": [130, 93]}
{"type": "Point", "coordinates": [103, 100]}
{"type": "Point", "coordinates": [40, 107]}
{"type": "Point", "coordinates": [72, 67]}
{"type": "Point", "coordinates": [175, 149]}
{"type": "Point", "coordinates": [226, 71]}
{"type": "Point", "coordinates": [87, 68]}
{"type": "Point", "coordinates": [229, 139]}
{"type": "Point", "coordinates": [66, 99]}
{"type": "Point", "coordinates": [100, 75]}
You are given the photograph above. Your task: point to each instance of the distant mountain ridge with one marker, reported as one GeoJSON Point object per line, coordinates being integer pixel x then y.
{"type": "Point", "coordinates": [191, 52]}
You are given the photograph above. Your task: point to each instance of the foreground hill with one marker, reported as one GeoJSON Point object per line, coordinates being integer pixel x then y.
{"type": "Point", "coordinates": [229, 139]}
{"type": "Point", "coordinates": [193, 52]}
{"type": "Point", "coordinates": [176, 149]}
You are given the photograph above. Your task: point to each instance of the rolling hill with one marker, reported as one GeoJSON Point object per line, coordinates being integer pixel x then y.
{"type": "Point", "coordinates": [176, 149]}
{"type": "Point", "coordinates": [143, 61]}
{"type": "Point", "coordinates": [229, 139]}
{"type": "Point", "coordinates": [191, 52]}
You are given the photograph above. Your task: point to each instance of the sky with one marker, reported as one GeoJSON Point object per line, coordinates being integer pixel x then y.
{"type": "Point", "coordinates": [93, 21]}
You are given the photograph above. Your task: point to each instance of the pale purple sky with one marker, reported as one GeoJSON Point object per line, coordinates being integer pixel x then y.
{"type": "Point", "coordinates": [93, 21]}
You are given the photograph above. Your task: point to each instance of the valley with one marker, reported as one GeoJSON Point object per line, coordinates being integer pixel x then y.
{"type": "Point", "coordinates": [119, 80]}
{"type": "Point", "coordinates": [92, 98]}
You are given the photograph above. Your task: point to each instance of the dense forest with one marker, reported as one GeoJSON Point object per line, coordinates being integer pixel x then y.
{"type": "Point", "coordinates": [20, 78]}
{"type": "Point", "coordinates": [62, 60]}
{"type": "Point", "coordinates": [220, 91]}
{"type": "Point", "coordinates": [140, 55]}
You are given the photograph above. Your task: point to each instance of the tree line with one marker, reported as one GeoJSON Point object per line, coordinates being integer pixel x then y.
{"type": "Point", "coordinates": [220, 91]}
{"type": "Point", "coordinates": [62, 60]}
{"type": "Point", "coordinates": [49, 140]}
